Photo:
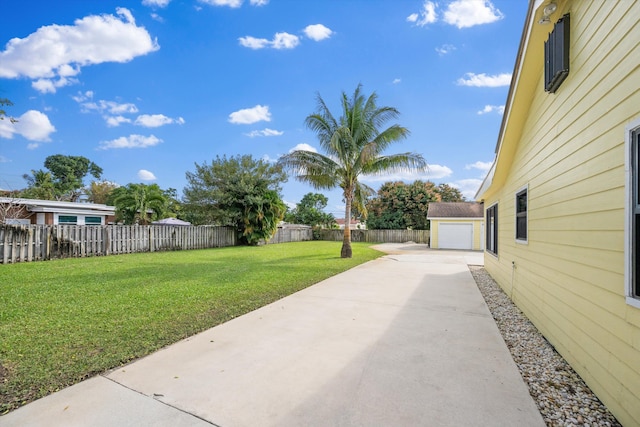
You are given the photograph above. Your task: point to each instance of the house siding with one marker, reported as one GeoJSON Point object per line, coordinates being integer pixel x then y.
{"type": "Point", "coordinates": [569, 278]}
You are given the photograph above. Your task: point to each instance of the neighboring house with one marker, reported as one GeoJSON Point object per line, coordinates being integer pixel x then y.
{"type": "Point", "coordinates": [31, 211]}
{"type": "Point", "coordinates": [562, 199]}
{"type": "Point", "coordinates": [355, 224]}
{"type": "Point", "coordinates": [456, 225]}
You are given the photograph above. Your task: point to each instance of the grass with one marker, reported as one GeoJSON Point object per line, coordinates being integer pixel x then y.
{"type": "Point", "coordinates": [66, 320]}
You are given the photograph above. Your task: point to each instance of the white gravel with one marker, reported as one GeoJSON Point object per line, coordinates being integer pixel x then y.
{"type": "Point", "coordinates": [561, 395]}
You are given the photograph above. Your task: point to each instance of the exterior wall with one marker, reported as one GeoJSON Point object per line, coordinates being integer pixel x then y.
{"type": "Point", "coordinates": [477, 231]}
{"type": "Point", "coordinates": [569, 278]}
{"type": "Point", "coordinates": [44, 218]}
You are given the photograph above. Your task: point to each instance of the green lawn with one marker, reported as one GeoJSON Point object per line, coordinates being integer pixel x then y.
{"type": "Point", "coordinates": [63, 321]}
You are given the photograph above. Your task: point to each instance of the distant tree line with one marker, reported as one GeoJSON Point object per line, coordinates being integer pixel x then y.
{"type": "Point", "coordinates": [400, 206]}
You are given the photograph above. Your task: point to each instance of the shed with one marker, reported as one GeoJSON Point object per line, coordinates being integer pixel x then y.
{"type": "Point", "coordinates": [456, 225]}
{"type": "Point", "coordinates": [170, 221]}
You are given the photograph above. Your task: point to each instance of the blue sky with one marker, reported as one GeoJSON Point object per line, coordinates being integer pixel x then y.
{"type": "Point", "coordinates": [147, 88]}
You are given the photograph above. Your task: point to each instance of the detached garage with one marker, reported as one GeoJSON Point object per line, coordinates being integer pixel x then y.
{"type": "Point", "coordinates": [457, 225]}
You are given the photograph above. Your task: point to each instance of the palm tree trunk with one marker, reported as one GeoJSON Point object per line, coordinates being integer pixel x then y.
{"type": "Point", "coordinates": [346, 241]}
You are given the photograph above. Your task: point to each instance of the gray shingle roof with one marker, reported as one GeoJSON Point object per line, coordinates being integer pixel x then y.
{"type": "Point", "coordinates": [455, 210]}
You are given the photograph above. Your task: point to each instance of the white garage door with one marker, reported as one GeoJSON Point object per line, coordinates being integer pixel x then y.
{"type": "Point", "coordinates": [455, 236]}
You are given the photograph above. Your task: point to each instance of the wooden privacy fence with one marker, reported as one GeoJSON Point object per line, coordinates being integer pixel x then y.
{"type": "Point", "coordinates": [286, 235]}
{"type": "Point", "coordinates": [378, 236]}
{"type": "Point", "coordinates": [19, 243]}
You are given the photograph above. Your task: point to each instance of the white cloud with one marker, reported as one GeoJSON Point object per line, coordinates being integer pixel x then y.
{"type": "Point", "coordinates": [156, 3]}
{"type": "Point", "coordinates": [483, 166]}
{"type": "Point", "coordinates": [445, 49]}
{"type": "Point", "coordinates": [254, 43]}
{"type": "Point", "coordinates": [317, 32]}
{"type": "Point", "coordinates": [280, 41]}
{"type": "Point", "coordinates": [132, 141]}
{"type": "Point", "coordinates": [396, 81]}
{"type": "Point", "coordinates": [82, 97]}
{"type": "Point", "coordinates": [426, 16]}
{"type": "Point", "coordinates": [303, 147]}
{"type": "Point", "coordinates": [110, 107]}
{"type": "Point", "coordinates": [492, 108]}
{"type": "Point", "coordinates": [432, 172]}
{"type": "Point", "coordinates": [32, 125]}
{"type": "Point", "coordinates": [112, 112]}
{"type": "Point", "coordinates": [285, 41]}
{"type": "Point", "coordinates": [468, 187]}
{"type": "Point", "coordinates": [114, 121]}
{"type": "Point", "coordinates": [467, 13]}
{"type": "Point", "coordinates": [461, 13]}
{"type": "Point", "coordinates": [259, 2]}
{"type": "Point", "coordinates": [483, 80]}
{"type": "Point", "coordinates": [55, 53]}
{"type": "Point", "coordinates": [248, 116]}
{"type": "Point", "coordinates": [230, 3]}
{"type": "Point", "coordinates": [438, 171]}
{"type": "Point", "coordinates": [264, 132]}
{"type": "Point", "coordinates": [145, 175]}
{"type": "Point", "coordinates": [156, 120]}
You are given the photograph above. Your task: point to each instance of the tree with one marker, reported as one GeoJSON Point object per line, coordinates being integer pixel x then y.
{"type": "Point", "coordinates": [354, 146]}
{"type": "Point", "coordinates": [238, 191]}
{"type": "Point", "coordinates": [138, 203]}
{"type": "Point", "coordinates": [262, 213]}
{"type": "Point", "coordinates": [67, 174]}
{"type": "Point", "coordinates": [100, 191]}
{"type": "Point", "coordinates": [11, 208]}
{"type": "Point", "coordinates": [401, 206]}
{"type": "Point", "coordinates": [173, 207]}
{"type": "Point", "coordinates": [310, 211]}
{"type": "Point", "coordinates": [449, 193]}
{"type": "Point", "coordinates": [3, 114]}
{"type": "Point", "coordinates": [39, 185]}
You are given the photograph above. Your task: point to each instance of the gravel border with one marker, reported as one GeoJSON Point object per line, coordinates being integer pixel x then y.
{"type": "Point", "coordinates": [560, 394]}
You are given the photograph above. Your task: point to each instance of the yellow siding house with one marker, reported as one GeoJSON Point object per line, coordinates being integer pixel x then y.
{"type": "Point", "coordinates": [562, 200]}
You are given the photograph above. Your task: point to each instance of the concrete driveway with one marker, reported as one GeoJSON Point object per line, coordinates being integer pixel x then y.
{"type": "Point", "coordinates": [404, 340]}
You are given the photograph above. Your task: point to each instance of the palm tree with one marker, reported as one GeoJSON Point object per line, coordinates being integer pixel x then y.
{"type": "Point", "coordinates": [354, 146]}
{"type": "Point", "coordinates": [139, 203]}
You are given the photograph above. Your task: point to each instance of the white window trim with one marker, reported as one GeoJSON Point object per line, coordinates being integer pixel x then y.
{"type": "Point", "coordinates": [486, 225]}
{"type": "Point", "coordinates": [633, 126]}
{"type": "Point", "coordinates": [515, 215]}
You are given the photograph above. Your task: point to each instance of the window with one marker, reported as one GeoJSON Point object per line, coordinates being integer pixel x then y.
{"type": "Point", "coordinates": [67, 219]}
{"type": "Point", "coordinates": [93, 220]}
{"type": "Point", "coordinates": [556, 55]}
{"type": "Point", "coordinates": [492, 229]}
{"type": "Point", "coordinates": [521, 215]}
{"type": "Point", "coordinates": [632, 235]}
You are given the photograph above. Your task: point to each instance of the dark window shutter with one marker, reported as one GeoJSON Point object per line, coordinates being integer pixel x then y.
{"type": "Point", "coordinates": [556, 55]}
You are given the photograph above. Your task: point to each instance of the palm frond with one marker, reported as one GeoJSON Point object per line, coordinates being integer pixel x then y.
{"type": "Point", "coordinates": [314, 168]}
{"type": "Point", "coordinates": [404, 162]}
